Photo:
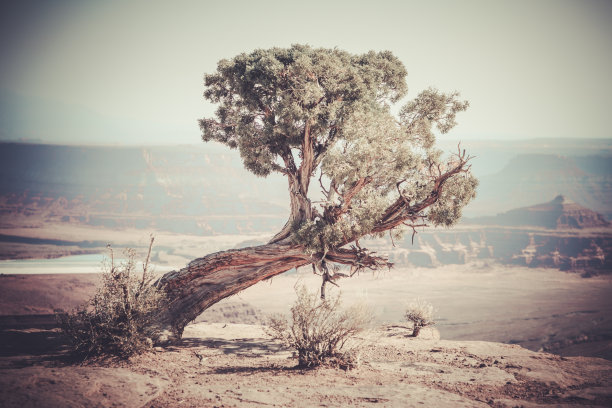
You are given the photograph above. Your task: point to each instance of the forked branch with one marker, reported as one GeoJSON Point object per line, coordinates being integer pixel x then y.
{"type": "Point", "coordinates": [401, 211]}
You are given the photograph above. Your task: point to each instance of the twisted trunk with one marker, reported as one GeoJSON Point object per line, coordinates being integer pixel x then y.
{"type": "Point", "coordinates": [205, 281]}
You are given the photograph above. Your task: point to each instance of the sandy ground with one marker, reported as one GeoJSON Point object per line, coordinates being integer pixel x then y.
{"type": "Point", "coordinates": [538, 308]}
{"type": "Point", "coordinates": [236, 365]}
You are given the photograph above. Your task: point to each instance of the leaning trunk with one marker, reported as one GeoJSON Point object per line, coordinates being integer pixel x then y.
{"type": "Point", "coordinates": [205, 281]}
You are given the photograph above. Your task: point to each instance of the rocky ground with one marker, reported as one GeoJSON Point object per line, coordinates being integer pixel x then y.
{"type": "Point", "coordinates": [226, 359]}
{"type": "Point", "coordinates": [237, 365]}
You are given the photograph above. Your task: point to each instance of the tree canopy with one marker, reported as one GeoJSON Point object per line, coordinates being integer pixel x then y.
{"type": "Point", "coordinates": [325, 119]}
{"type": "Point", "coordinates": [325, 115]}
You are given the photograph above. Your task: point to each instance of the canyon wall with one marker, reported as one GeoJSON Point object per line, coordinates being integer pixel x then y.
{"type": "Point", "coordinates": [585, 250]}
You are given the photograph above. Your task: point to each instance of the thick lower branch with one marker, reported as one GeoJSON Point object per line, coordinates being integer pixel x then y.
{"type": "Point", "coordinates": [205, 281]}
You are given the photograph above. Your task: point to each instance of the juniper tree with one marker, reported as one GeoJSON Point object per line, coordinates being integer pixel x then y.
{"type": "Point", "coordinates": [323, 118]}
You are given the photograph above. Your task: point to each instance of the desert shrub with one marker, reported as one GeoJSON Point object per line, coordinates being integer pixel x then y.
{"type": "Point", "coordinates": [420, 314]}
{"type": "Point", "coordinates": [117, 319]}
{"type": "Point", "coordinates": [319, 329]}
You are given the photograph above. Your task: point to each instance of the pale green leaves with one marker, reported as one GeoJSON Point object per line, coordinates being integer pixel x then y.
{"type": "Point", "coordinates": [301, 111]}
{"type": "Point", "coordinates": [431, 108]}
{"type": "Point", "coordinates": [371, 145]}
{"type": "Point", "coordinates": [267, 96]}
{"type": "Point", "coordinates": [457, 193]}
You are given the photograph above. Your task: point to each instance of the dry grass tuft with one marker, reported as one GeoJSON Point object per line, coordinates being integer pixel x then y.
{"type": "Point", "coordinates": [319, 330]}
{"type": "Point", "coordinates": [420, 314]}
{"type": "Point", "coordinates": [117, 320]}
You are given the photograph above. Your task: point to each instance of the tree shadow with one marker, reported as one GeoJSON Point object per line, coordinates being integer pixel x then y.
{"type": "Point", "coordinates": [272, 370]}
{"type": "Point", "coordinates": [29, 340]}
{"type": "Point", "coordinates": [244, 347]}
{"type": "Point", "coordinates": [27, 347]}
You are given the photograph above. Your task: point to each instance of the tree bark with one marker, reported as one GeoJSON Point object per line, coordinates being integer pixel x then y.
{"type": "Point", "coordinates": [301, 210]}
{"type": "Point", "coordinates": [205, 281]}
{"type": "Point", "coordinates": [299, 181]}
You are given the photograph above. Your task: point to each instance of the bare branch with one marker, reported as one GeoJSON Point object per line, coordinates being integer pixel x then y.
{"type": "Point", "coordinates": [359, 258]}
{"type": "Point", "coordinates": [400, 210]}
{"type": "Point", "coordinates": [333, 213]}
{"type": "Point", "coordinates": [324, 191]}
{"type": "Point", "coordinates": [145, 266]}
{"type": "Point", "coordinates": [399, 191]}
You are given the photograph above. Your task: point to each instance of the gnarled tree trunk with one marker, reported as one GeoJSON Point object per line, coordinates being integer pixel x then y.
{"type": "Point", "coordinates": [205, 281]}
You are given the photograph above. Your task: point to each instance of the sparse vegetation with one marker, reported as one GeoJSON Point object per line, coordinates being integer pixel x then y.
{"type": "Point", "coordinates": [420, 314]}
{"type": "Point", "coordinates": [117, 320]}
{"type": "Point", "coordinates": [319, 329]}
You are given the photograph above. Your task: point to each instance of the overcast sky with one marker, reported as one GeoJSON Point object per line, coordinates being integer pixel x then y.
{"type": "Point", "coordinates": [130, 72]}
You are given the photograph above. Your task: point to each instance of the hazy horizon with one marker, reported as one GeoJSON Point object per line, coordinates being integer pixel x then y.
{"type": "Point", "coordinates": [130, 73]}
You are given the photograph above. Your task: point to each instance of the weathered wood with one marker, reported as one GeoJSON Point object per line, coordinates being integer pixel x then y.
{"type": "Point", "coordinates": [205, 281]}
{"type": "Point", "coordinates": [268, 111]}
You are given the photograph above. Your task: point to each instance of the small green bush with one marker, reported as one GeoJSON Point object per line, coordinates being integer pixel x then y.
{"type": "Point", "coordinates": [117, 320]}
{"type": "Point", "coordinates": [319, 329]}
{"type": "Point", "coordinates": [420, 314]}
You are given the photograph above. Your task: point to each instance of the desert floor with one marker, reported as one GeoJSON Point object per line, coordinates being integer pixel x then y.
{"type": "Point", "coordinates": [223, 361]}
{"type": "Point", "coordinates": [537, 308]}
{"type": "Point", "coordinates": [237, 365]}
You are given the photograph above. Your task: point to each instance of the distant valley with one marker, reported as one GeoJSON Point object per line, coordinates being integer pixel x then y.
{"type": "Point", "coordinates": [203, 191]}
{"type": "Point", "coordinates": [183, 189]}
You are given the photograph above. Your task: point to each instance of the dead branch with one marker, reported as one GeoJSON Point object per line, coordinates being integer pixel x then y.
{"type": "Point", "coordinates": [324, 190]}
{"type": "Point", "coordinates": [358, 257]}
{"type": "Point", "coordinates": [401, 211]}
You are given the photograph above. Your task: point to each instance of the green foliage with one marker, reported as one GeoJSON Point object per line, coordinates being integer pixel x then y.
{"type": "Point", "coordinates": [319, 329]}
{"type": "Point", "coordinates": [117, 320]}
{"type": "Point", "coordinates": [458, 192]}
{"type": "Point", "coordinates": [431, 108]}
{"type": "Point", "coordinates": [266, 97]}
{"type": "Point", "coordinates": [367, 157]}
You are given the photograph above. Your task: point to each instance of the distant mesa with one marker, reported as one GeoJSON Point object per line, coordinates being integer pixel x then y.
{"type": "Point", "coordinates": [558, 234]}
{"type": "Point", "coordinates": [560, 213]}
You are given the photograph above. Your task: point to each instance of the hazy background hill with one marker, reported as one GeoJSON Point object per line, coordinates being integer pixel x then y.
{"type": "Point", "coordinates": [528, 179]}
{"type": "Point", "coordinates": [188, 189]}
{"type": "Point", "coordinates": [203, 189]}
{"type": "Point", "coordinates": [521, 173]}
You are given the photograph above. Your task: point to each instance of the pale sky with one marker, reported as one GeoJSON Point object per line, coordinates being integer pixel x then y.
{"type": "Point", "coordinates": [130, 72]}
